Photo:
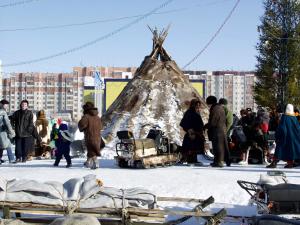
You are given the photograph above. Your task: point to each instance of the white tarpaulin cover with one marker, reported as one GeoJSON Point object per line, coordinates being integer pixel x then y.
{"type": "Point", "coordinates": [77, 192]}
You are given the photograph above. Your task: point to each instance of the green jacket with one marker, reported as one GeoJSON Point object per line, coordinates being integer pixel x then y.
{"type": "Point", "coordinates": [229, 118]}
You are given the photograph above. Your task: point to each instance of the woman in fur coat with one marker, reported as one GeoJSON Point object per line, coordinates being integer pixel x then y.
{"type": "Point", "coordinates": [91, 125]}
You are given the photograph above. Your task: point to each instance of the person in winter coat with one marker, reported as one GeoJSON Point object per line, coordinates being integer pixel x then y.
{"type": "Point", "coordinates": [287, 139]}
{"type": "Point", "coordinates": [274, 120]}
{"type": "Point", "coordinates": [42, 128]}
{"type": "Point", "coordinates": [91, 125]}
{"type": "Point", "coordinates": [247, 122]}
{"type": "Point", "coordinates": [24, 128]}
{"type": "Point", "coordinates": [217, 132]}
{"type": "Point", "coordinates": [228, 114]}
{"type": "Point", "coordinates": [62, 144]}
{"type": "Point", "coordinates": [261, 126]}
{"type": "Point", "coordinates": [6, 132]}
{"type": "Point", "coordinates": [193, 141]}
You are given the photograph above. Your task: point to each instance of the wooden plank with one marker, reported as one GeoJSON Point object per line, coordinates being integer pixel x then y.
{"type": "Point", "coordinates": [131, 211]}
{"type": "Point", "coordinates": [178, 199]}
{"type": "Point", "coordinates": [135, 218]}
{"type": "Point", "coordinates": [168, 212]}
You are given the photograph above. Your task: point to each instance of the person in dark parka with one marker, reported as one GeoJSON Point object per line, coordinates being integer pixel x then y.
{"type": "Point", "coordinates": [91, 125]}
{"type": "Point", "coordinates": [287, 138]}
{"type": "Point", "coordinates": [24, 128]}
{"type": "Point", "coordinates": [193, 141]}
{"type": "Point", "coordinates": [62, 144]}
{"type": "Point", "coordinates": [217, 132]}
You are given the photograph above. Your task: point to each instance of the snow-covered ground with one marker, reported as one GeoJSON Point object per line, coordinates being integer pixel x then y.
{"type": "Point", "coordinates": [179, 181]}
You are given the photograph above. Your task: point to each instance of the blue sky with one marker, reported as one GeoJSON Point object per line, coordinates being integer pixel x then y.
{"type": "Point", "coordinates": [193, 22]}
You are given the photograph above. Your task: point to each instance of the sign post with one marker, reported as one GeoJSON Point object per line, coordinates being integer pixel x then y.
{"type": "Point", "coordinates": [99, 87]}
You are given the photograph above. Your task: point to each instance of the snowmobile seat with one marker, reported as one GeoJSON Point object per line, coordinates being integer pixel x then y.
{"type": "Point", "coordinates": [274, 220]}
{"type": "Point", "coordinates": [283, 192]}
{"type": "Point", "coordinates": [284, 198]}
{"type": "Point", "coordinates": [125, 134]}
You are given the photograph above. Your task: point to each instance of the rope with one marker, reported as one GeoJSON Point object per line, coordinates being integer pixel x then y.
{"type": "Point", "coordinates": [214, 36]}
{"type": "Point", "coordinates": [104, 37]}
{"type": "Point", "coordinates": [65, 203]}
{"type": "Point", "coordinates": [104, 20]}
{"type": "Point", "coordinates": [16, 3]}
{"type": "Point", "coordinates": [124, 210]}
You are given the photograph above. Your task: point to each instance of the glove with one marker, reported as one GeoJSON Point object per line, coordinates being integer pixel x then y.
{"type": "Point", "coordinates": [12, 140]}
{"type": "Point", "coordinates": [191, 134]}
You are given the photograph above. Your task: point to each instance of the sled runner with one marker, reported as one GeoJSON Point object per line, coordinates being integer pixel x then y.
{"type": "Point", "coordinates": [155, 150]}
{"type": "Point", "coordinates": [282, 198]}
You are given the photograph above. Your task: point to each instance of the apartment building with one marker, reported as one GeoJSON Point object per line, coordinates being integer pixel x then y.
{"type": "Point", "coordinates": [54, 92]}
{"type": "Point", "coordinates": [64, 92]}
{"type": "Point", "coordinates": [235, 86]}
{"type": "Point", "coordinates": [57, 93]}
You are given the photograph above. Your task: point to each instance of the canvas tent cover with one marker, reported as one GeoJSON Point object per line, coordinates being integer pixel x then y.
{"type": "Point", "coordinates": [83, 192]}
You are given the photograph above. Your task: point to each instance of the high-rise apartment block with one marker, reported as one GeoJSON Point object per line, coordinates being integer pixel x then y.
{"type": "Point", "coordinates": [235, 86]}
{"type": "Point", "coordinates": [56, 93]}
{"type": "Point", "coordinates": [59, 93]}
{"type": "Point", "coordinates": [53, 92]}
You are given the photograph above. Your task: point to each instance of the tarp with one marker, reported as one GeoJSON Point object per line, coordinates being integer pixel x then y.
{"type": "Point", "coordinates": [83, 192]}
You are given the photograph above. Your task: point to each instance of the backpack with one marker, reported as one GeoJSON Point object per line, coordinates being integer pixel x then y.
{"type": "Point", "coordinates": [239, 134]}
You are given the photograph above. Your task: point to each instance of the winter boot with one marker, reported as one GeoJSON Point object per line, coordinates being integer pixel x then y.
{"type": "Point", "coordinates": [290, 164]}
{"type": "Point", "coordinates": [245, 158]}
{"type": "Point", "coordinates": [88, 162]}
{"type": "Point", "coordinates": [272, 165]}
{"type": "Point", "coordinates": [56, 162]}
{"type": "Point", "coordinates": [95, 163]}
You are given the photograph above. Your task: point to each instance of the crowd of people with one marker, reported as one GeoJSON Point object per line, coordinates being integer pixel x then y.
{"type": "Point", "coordinates": [248, 138]}
{"type": "Point", "coordinates": [233, 138]}
{"type": "Point", "coordinates": [48, 139]}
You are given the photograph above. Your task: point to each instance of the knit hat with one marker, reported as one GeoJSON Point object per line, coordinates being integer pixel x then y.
{"type": "Point", "coordinates": [289, 109]}
{"type": "Point", "coordinates": [63, 126]}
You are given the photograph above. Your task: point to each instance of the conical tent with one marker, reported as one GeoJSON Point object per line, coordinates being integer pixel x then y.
{"type": "Point", "coordinates": [158, 95]}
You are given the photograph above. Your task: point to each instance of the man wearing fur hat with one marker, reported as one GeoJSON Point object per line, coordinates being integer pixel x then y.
{"type": "Point", "coordinates": [91, 125]}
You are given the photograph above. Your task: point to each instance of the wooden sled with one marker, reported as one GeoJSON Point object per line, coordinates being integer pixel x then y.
{"type": "Point", "coordinates": [45, 214]}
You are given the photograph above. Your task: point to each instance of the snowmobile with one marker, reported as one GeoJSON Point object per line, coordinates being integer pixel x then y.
{"type": "Point", "coordinates": [277, 197]}
{"type": "Point", "coordinates": [152, 151]}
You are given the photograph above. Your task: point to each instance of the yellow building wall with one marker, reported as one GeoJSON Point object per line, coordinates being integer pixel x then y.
{"type": "Point", "coordinates": [114, 87]}
{"type": "Point", "coordinates": [89, 96]}
{"type": "Point", "coordinates": [199, 86]}
{"type": "Point", "coordinates": [112, 91]}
